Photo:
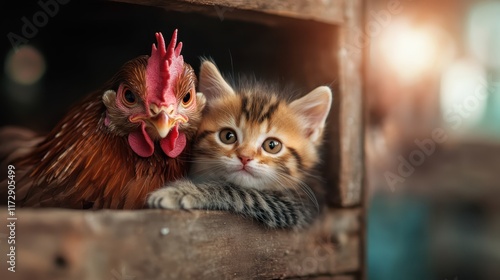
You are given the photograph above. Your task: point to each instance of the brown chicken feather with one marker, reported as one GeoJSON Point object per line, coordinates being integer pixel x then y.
{"type": "Point", "coordinates": [86, 161]}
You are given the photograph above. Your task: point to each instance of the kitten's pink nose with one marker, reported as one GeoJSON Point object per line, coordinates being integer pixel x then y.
{"type": "Point", "coordinates": [245, 160]}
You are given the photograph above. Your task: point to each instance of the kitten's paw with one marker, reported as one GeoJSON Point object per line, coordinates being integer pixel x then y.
{"type": "Point", "coordinates": [174, 196]}
{"type": "Point", "coordinates": [166, 198]}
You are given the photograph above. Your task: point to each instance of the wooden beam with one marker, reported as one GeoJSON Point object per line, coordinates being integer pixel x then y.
{"type": "Point", "coordinates": [351, 124]}
{"type": "Point", "coordinates": [163, 244]}
{"type": "Point", "coordinates": [319, 10]}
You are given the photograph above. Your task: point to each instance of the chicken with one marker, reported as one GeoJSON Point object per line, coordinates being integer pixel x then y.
{"type": "Point", "coordinates": [118, 144]}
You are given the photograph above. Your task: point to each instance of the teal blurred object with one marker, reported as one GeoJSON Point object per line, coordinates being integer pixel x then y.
{"type": "Point", "coordinates": [491, 118]}
{"type": "Point", "coordinates": [398, 238]}
{"type": "Point", "coordinates": [483, 40]}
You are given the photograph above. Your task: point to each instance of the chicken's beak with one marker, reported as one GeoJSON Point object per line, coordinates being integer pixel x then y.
{"type": "Point", "coordinates": [162, 123]}
{"type": "Point", "coordinates": [164, 118]}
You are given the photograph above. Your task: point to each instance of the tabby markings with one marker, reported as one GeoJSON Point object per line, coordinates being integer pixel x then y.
{"type": "Point", "coordinates": [259, 110]}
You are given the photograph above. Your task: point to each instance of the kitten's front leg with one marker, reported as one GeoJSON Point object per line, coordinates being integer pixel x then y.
{"type": "Point", "coordinates": [181, 194]}
{"type": "Point", "coordinates": [275, 209]}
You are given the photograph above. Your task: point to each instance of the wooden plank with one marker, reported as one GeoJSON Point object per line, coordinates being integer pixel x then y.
{"type": "Point", "coordinates": [329, 11]}
{"type": "Point", "coordinates": [340, 277]}
{"type": "Point", "coordinates": [351, 136]}
{"type": "Point", "coordinates": [156, 244]}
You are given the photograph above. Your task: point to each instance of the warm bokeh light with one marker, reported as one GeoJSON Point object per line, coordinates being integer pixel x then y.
{"type": "Point", "coordinates": [463, 94]}
{"type": "Point", "coordinates": [25, 65]}
{"type": "Point", "coordinates": [412, 51]}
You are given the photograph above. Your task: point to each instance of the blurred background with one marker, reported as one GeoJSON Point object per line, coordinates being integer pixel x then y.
{"type": "Point", "coordinates": [433, 139]}
{"type": "Point", "coordinates": [432, 92]}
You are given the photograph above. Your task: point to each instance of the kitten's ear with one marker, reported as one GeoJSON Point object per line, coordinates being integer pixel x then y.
{"type": "Point", "coordinates": [212, 84]}
{"type": "Point", "coordinates": [312, 109]}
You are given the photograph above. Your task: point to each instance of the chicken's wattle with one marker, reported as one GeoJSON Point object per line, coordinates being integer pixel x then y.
{"type": "Point", "coordinates": [174, 143]}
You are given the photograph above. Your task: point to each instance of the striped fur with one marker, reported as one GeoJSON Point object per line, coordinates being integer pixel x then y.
{"type": "Point", "coordinates": [272, 188]}
{"type": "Point", "coordinates": [273, 208]}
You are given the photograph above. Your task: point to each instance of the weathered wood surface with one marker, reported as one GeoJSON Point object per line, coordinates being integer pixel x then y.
{"type": "Point", "coordinates": [339, 277]}
{"type": "Point", "coordinates": [155, 244]}
{"type": "Point", "coordinates": [329, 11]}
{"type": "Point", "coordinates": [351, 120]}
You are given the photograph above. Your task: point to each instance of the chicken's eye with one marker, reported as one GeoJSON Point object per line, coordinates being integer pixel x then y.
{"type": "Point", "coordinates": [186, 99]}
{"type": "Point", "coordinates": [227, 136]}
{"type": "Point", "coordinates": [272, 146]}
{"type": "Point", "coordinates": [129, 97]}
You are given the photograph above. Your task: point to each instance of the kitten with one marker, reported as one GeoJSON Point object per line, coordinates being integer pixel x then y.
{"type": "Point", "coordinates": [253, 153]}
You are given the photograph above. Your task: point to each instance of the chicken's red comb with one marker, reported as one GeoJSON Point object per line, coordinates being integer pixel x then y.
{"type": "Point", "coordinates": [164, 67]}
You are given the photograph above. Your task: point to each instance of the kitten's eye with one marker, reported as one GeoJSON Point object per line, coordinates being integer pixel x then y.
{"type": "Point", "coordinates": [227, 136]}
{"type": "Point", "coordinates": [186, 100]}
{"type": "Point", "coordinates": [272, 146]}
{"type": "Point", "coordinates": [129, 97]}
